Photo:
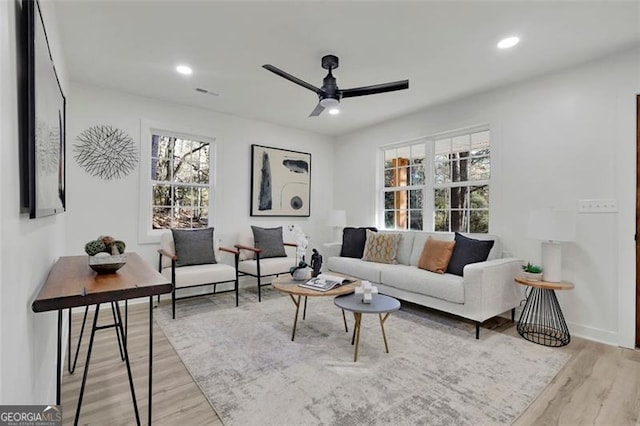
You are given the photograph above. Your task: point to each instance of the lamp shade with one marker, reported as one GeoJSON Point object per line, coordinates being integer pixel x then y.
{"type": "Point", "coordinates": [337, 218]}
{"type": "Point", "coordinates": [552, 225]}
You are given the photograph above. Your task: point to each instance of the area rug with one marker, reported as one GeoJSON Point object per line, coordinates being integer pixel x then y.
{"type": "Point", "coordinates": [244, 361]}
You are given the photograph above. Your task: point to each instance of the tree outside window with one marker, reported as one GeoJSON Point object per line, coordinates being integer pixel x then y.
{"type": "Point", "coordinates": [180, 179]}
{"type": "Point", "coordinates": [458, 179]}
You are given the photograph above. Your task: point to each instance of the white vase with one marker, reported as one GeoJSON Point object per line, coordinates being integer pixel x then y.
{"type": "Point", "coordinates": [532, 276]}
{"type": "Point", "coordinates": [300, 274]}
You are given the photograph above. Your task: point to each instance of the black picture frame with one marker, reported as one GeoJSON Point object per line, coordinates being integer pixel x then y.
{"type": "Point", "coordinates": [43, 117]}
{"type": "Point", "coordinates": [280, 182]}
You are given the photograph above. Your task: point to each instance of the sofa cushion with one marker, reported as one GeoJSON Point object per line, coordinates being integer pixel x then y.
{"type": "Point", "coordinates": [436, 255]}
{"type": "Point", "coordinates": [468, 250]}
{"type": "Point", "coordinates": [194, 246]}
{"type": "Point", "coordinates": [369, 271]}
{"type": "Point", "coordinates": [382, 248]}
{"type": "Point", "coordinates": [353, 241]}
{"type": "Point", "coordinates": [269, 241]}
{"type": "Point", "coordinates": [409, 278]}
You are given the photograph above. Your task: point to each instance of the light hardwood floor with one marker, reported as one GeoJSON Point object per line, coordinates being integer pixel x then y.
{"type": "Point", "coordinates": [599, 385]}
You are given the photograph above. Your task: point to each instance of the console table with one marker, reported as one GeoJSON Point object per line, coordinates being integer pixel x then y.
{"type": "Point", "coordinates": [541, 320]}
{"type": "Point", "coordinates": [72, 283]}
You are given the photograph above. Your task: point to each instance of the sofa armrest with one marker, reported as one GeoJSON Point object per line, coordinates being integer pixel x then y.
{"type": "Point", "coordinates": [331, 250]}
{"type": "Point", "coordinates": [489, 288]}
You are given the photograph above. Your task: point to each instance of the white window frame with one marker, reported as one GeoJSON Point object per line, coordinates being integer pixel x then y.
{"type": "Point", "coordinates": [428, 215]}
{"type": "Point", "coordinates": [146, 233]}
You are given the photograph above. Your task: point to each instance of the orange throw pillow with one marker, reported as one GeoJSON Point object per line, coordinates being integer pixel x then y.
{"type": "Point", "coordinates": [436, 255]}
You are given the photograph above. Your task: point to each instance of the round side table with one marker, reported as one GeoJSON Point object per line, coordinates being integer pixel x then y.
{"type": "Point", "coordinates": [541, 320]}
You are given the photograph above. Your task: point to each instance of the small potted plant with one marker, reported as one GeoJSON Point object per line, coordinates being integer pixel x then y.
{"type": "Point", "coordinates": [532, 272]}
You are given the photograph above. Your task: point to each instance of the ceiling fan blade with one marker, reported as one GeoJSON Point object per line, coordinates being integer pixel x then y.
{"type": "Point", "coordinates": [291, 78]}
{"type": "Point", "coordinates": [376, 88]}
{"type": "Point", "coordinates": [317, 111]}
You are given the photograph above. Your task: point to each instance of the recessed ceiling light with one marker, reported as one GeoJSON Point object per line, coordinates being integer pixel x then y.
{"type": "Point", "coordinates": [334, 111]}
{"type": "Point", "coordinates": [184, 69]}
{"type": "Point", "coordinates": [508, 42]}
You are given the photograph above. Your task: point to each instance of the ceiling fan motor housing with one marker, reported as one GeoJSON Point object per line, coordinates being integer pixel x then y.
{"type": "Point", "coordinates": [329, 62]}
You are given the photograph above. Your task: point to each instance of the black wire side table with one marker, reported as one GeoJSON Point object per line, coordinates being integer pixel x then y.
{"type": "Point", "coordinates": [541, 320]}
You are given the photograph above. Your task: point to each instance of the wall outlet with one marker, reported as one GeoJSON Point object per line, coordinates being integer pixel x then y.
{"type": "Point", "coordinates": [598, 205]}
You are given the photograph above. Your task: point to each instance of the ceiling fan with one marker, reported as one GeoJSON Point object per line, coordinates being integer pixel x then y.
{"type": "Point", "coordinates": [329, 94]}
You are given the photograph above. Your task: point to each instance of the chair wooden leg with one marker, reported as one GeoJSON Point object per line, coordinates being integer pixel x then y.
{"type": "Point", "coordinates": [477, 330]}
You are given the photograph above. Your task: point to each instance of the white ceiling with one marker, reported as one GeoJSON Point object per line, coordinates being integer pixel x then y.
{"type": "Point", "coordinates": [446, 50]}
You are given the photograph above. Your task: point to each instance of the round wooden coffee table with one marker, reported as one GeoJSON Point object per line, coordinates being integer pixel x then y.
{"type": "Point", "coordinates": [286, 284]}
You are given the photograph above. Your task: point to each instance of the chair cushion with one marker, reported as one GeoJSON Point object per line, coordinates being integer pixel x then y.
{"type": "Point", "coordinates": [382, 248]}
{"type": "Point", "coordinates": [369, 271]}
{"type": "Point", "coordinates": [187, 276]}
{"type": "Point", "coordinates": [353, 241]}
{"type": "Point", "coordinates": [466, 251]}
{"type": "Point", "coordinates": [269, 241]}
{"type": "Point", "coordinates": [194, 246]}
{"type": "Point", "coordinates": [270, 266]}
{"type": "Point", "coordinates": [436, 255]}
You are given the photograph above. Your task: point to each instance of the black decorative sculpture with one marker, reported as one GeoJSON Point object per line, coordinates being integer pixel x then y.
{"type": "Point", "coordinates": [316, 263]}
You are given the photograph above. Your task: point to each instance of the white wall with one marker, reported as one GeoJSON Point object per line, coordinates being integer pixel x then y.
{"type": "Point", "coordinates": [97, 207]}
{"type": "Point", "coordinates": [28, 247]}
{"type": "Point", "coordinates": [555, 139]}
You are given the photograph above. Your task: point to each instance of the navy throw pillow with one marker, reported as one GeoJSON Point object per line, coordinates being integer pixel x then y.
{"type": "Point", "coordinates": [353, 241]}
{"type": "Point", "coordinates": [468, 250]}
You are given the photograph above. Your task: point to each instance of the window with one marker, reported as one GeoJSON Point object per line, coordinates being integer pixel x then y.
{"type": "Point", "coordinates": [404, 183]}
{"type": "Point", "coordinates": [176, 181]}
{"type": "Point", "coordinates": [440, 183]}
{"type": "Point", "coordinates": [180, 182]}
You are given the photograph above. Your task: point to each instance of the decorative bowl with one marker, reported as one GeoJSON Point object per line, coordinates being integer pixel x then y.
{"type": "Point", "coordinates": [107, 264]}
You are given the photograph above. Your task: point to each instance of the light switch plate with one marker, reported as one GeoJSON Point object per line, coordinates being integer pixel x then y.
{"type": "Point", "coordinates": [598, 205]}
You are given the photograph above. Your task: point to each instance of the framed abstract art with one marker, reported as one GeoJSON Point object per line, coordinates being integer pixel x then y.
{"type": "Point", "coordinates": [280, 182]}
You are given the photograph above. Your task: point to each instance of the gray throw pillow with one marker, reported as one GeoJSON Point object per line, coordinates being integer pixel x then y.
{"type": "Point", "coordinates": [269, 241]}
{"type": "Point", "coordinates": [194, 246]}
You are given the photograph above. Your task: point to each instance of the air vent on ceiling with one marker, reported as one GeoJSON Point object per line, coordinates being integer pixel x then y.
{"type": "Point", "coordinates": [206, 92]}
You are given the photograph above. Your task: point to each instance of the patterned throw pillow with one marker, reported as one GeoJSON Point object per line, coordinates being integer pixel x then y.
{"type": "Point", "coordinates": [436, 255]}
{"type": "Point", "coordinates": [381, 248]}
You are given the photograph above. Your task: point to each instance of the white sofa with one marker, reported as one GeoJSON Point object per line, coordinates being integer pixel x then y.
{"type": "Point", "coordinates": [485, 290]}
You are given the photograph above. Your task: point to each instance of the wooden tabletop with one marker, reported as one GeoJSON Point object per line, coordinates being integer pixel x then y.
{"type": "Point", "coordinates": [286, 284]}
{"type": "Point", "coordinates": [71, 282]}
{"type": "Point", "coordinates": [545, 284]}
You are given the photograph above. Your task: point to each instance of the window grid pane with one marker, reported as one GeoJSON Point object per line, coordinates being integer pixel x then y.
{"type": "Point", "coordinates": [459, 184]}
{"type": "Point", "coordinates": [180, 182]}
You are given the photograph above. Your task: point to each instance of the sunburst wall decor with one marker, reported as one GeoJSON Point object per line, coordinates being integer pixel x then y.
{"type": "Point", "coordinates": [105, 152]}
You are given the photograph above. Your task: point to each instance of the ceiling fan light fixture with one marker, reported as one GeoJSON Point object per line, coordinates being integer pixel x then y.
{"type": "Point", "coordinates": [334, 111]}
{"type": "Point", "coordinates": [330, 103]}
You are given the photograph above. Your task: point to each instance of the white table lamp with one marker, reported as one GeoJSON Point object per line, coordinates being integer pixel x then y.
{"type": "Point", "coordinates": [552, 227]}
{"type": "Point", "coordinates": [337, 219]}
